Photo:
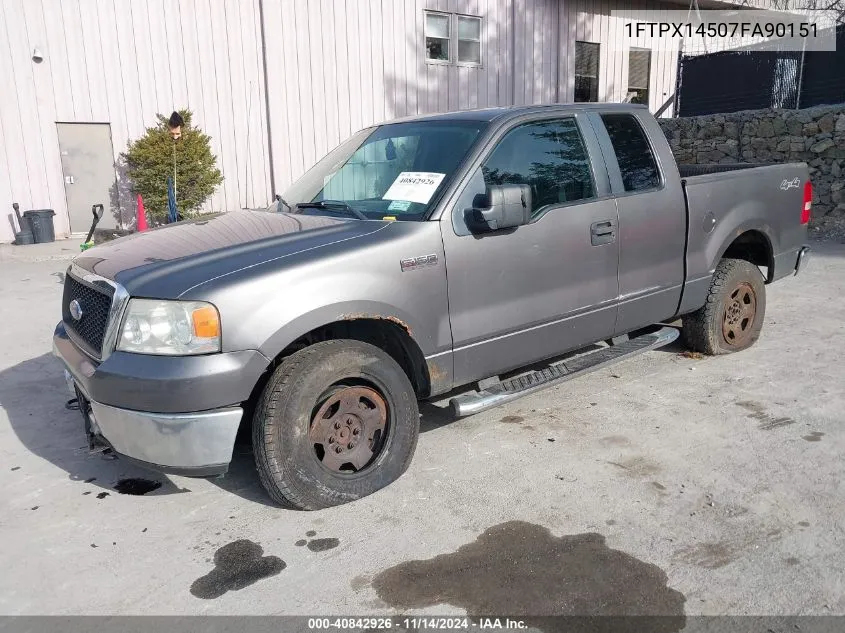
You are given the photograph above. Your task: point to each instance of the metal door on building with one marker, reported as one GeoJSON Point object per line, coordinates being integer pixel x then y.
{"type": "Point", "coordinates": [88, 171]}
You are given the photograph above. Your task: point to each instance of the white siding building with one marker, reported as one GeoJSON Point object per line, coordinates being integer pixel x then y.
{"type": "Point", "coordinates": [278, 83]}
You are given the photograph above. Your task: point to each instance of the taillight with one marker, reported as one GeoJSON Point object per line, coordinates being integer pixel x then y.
{"type": "Point", "coordinates": [808, 202]}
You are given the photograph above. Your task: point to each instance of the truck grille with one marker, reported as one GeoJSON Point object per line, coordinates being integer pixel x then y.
{"type": "Point", "coordinates": [95, 303]}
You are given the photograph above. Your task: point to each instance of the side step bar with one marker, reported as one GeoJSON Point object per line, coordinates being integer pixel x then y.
{"type": "Point", "coordinates": [557, 373]}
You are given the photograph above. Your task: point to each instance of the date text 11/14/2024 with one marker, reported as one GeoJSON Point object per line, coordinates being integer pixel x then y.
{"type": "Point", "coordinates": [416, 623]}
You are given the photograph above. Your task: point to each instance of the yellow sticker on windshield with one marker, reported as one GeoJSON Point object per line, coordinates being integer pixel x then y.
{"type": "Point", "coordinates": [389, 218]}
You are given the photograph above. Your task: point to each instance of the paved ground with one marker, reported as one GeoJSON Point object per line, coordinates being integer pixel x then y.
{"type": "Point", "coordinates": [663, 485]}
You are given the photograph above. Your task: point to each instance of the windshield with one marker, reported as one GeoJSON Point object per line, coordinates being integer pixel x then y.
{"type": "Point", "coordinates": [393, 171]}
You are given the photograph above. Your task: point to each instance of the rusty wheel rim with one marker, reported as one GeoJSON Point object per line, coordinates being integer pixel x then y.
{"type": "Point", "coordinates": [349, 428]}
{"type": "Point", "coordinates": [740, 312]}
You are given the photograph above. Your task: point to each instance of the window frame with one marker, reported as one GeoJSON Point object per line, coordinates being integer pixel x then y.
{"type": "Point", "coordinates": [458, 39]}
{"type": "Point", "coordinates": [617, 185]}
{"type": "Point", "coordinates": [454, 39]}
{"type": "Point", "coordinates": [429, 60]}
{"type": "Point", "coordinates": [575, 74]}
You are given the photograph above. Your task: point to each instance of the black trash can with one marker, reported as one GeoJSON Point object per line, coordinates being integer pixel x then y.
{"type": "Point", "coordinates": [24, 237]}
{"type": "Point", "coordinates": [41, 221]}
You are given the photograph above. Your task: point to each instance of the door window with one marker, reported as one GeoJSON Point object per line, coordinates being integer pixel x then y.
{"type": "Point", "coordinates": [550, 156]}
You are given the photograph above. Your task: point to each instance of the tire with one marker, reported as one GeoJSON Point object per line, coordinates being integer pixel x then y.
{"type": "Point", "coordinates": [732, 316]}
{"type": "Point", "coordinates": [347, 383]}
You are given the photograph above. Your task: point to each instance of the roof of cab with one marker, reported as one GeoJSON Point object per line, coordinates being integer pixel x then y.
{"type": "Point", "coordinates": [492, 114]}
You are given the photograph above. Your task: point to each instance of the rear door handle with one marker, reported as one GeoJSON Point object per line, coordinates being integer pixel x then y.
{"type": "Point", "coordinates": [603, 232]}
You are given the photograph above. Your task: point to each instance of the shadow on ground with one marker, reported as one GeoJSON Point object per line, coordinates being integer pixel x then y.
{"type": "Point", "coordinates": [33, 394]}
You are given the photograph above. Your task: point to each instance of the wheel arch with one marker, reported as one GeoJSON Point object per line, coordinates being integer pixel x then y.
{"type": "Point", "coordinates": [753, 245]}
{"type": "Point", "coordinates": [389, 330]}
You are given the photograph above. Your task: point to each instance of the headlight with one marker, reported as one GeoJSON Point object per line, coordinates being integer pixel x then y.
{"type": "Point", "coordinates": [175, 328]}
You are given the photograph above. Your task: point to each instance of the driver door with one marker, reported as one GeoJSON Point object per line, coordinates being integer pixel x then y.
{"type": "Point", "coordinates": [524, 294]}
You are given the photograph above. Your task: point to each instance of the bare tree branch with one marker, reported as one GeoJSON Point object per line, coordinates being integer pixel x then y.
{"type": "Point", "coordinates": [830, 9]}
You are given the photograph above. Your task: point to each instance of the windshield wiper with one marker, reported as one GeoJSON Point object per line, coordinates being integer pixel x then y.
{"type": "Point", "coordinates": [332, 205]}
{"type": "Point", "coordinates": [281, 201]}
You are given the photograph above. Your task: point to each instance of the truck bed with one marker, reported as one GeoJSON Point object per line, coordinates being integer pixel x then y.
{"type": "Point", "coordinates": [726, 200]}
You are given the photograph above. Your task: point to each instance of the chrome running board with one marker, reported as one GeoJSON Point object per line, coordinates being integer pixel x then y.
{"type": "Point", "coordinates": [557, 373]}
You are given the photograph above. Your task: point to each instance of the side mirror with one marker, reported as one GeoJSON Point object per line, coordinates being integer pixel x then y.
{"type": "Point", "coordinates": [501, 207]}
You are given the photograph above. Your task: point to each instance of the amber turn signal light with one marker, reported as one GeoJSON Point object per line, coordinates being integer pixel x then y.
{"type": "Point", "coordinates": [206, 322]}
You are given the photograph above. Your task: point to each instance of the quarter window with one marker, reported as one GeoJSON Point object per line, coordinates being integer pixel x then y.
{"type": "Point", "coordinates": [550, 156]}
{"type": "Point", "coordinates": [437, 36]}
{"type": "Point", "coordinates": [633, 152]}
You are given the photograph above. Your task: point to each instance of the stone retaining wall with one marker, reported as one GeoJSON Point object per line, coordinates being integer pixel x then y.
{"type": "Point", "coordinates": [815, 136]}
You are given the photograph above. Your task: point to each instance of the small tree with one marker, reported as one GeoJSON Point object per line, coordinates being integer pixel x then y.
{"type": "Point", "coordinates": [149, 162]}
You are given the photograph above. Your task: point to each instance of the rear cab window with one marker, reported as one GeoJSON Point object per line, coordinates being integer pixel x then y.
{"type": "Point", "coordinates": [634, 154]}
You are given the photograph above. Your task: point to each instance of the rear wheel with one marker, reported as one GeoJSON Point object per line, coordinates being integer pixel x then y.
{"type": "Point", "coordinates": [732, 317]}
{"type": "Point", "coordinates": [337, 421]}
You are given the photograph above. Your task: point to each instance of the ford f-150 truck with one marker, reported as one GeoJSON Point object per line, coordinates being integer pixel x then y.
{"type": "Point", "coordinates": [474, 253]}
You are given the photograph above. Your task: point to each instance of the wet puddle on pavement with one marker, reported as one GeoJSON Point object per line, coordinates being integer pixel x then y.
{"type": "Point", "coordinates": [237, 565]}
{"type": "Point", "coordinates": [317, 544]}
{"type": "Point", "coordinates": [521, 569]}
{"type": "Point", "coordinates": [136, 486]}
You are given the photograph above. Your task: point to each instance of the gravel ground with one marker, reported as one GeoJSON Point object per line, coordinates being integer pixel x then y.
{"type": "Point", "coordinates": [666, 484]}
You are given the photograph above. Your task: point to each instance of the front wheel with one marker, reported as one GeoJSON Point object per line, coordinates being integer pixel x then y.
{"type": "Point", "coordinates": [337, 421]}
{"type": "Point", "coordinates": [732, 317]}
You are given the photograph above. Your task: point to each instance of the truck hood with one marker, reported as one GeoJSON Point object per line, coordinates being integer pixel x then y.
{"type": "Point", "coordinates": [165, 262]}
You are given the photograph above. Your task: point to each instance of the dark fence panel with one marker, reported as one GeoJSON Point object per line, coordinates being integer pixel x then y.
{"type": "Point", "coordinates": [824, 75]}
{"type": "Point", "coordinates": [730, 81]}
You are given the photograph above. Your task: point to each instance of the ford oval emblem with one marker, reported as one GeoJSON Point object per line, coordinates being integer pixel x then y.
{"type": "Point", "coordinates": [75, 310]}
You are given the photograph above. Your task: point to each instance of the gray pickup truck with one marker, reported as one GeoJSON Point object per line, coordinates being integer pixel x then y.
{"type": "Point", "coordinates": [473, 253]}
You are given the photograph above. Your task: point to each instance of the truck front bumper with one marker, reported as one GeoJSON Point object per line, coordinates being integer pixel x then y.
{"type": "Point", "coordinates": [195, 444]}
{"type": "Point", "coordinates": [171, 414]}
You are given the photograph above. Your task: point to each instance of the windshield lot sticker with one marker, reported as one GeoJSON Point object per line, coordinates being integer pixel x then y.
{"type": "Point", "coordinates": [414, 186]}
{"type": "Point", "coordinates": [399, 205]}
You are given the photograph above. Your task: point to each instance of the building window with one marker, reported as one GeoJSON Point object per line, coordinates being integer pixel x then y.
{"type": "Point", "coordinates": [445, 32]}
{"type": "Point", "coordinates": [437, 36]}
{"type": "Point", "coordinates": [633, 152]}
{"type": "Point", "coordinates": [586, 72]}
{"type": "Point", "coordinates": [469, 39]}
{"type": "Point", "coordinates": [639, 71]}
